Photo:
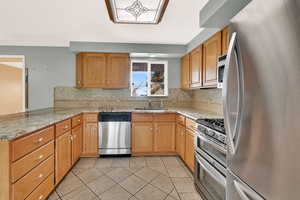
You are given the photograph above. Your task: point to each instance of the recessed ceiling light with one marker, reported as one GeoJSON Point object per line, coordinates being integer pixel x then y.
{"type": "Point", "coordinates": [136, 11]}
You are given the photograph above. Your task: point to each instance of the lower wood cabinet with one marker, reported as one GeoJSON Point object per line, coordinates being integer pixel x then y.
{"type": "Point", "coordinates": [180, 140]}
{"type": "Point", "coordinates": [189, 156]}
{"type": "Point", "coordinates": [90, 135]}
{"type": "Point", "coordinates": [164, 137]}
{"type": "Point", "coordinates": [142, 137]}
{"type": "Point", "coordinates": [63, 155]}
{"type": "Point", "coordinates": [76, 143]}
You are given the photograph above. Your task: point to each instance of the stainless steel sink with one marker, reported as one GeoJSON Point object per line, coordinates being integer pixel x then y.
{"type": "Point", "coordinates": [151, 109]}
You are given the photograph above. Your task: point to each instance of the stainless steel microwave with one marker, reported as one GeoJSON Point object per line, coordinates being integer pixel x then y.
{"type": "Point", "coordinates": [221, 68]}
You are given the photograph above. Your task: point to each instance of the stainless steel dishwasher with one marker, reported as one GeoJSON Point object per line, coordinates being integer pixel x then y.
{"type": "Point", "coordinates": [115, 133]}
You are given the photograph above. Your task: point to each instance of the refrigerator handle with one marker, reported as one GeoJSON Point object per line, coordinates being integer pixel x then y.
{"type": "Point", "coordinates": [245, 193]}
{"type": "Point", "coordinates": [233, 54]}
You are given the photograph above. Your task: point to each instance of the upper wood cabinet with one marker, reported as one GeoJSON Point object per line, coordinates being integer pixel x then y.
{"type": "Point", "coordinates": [102, 70]}
{"type": "Point", "coordinates": [185, 72]}
{"type": "Point", "coordinates": [164, 137]}
{"type": "Point", "coordinates": [196, 67]}
{"type": "Point", "coordinates": [211, 51]}
{"type": "Point", "coordinates": [225, 40]}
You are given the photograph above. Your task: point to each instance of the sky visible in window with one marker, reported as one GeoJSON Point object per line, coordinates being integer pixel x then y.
{"type": "Point", "coordinates": [139, 80]}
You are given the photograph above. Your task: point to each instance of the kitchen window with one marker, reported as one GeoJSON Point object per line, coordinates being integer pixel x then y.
{"type": "Point", "coordinates": [149, 78]}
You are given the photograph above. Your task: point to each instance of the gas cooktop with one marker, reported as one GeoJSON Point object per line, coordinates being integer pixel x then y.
{"type": "Point", "coordinates": [215, 124]}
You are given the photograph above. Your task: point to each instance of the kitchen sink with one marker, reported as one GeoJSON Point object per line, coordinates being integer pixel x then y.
{"type": "Point", "coordinates": [151, 109]}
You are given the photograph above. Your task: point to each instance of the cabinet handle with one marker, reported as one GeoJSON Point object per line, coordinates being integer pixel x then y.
{"type": "Point", "coordinates": [41, 197]}
{"type": "Point", "coordinates": [40, 176]}
{"type": "Point", "coordinates": [39, 140]}
{"type": "Point", "coordinates": [71, 138]}
{"type": "Point", "coordinates": [40, 157]}
{"type": "Point", "coordinates": [79, 120]}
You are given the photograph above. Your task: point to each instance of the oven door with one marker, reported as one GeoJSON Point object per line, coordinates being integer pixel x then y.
{"type": "Point", "coordinates": [210, 147]}
{"type": "Point", "coordinates": [210, 182]}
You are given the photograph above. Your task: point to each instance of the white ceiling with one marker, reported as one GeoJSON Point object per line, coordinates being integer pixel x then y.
{"type": "Point", "coordinates": [57, 22]}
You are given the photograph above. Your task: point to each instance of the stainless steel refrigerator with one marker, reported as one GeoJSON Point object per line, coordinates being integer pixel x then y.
{"type": "Point", "coordinates": [262, 102]}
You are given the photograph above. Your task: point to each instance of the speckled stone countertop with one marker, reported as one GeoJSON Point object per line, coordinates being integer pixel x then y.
{"type": "Point", "coordinates": [17, 125]}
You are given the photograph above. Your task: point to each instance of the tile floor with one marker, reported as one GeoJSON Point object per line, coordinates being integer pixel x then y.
{"type": "Point", "coordinates": [134, 178]}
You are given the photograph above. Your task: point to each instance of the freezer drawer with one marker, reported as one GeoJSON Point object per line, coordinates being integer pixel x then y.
{"type": "Point", "coordinates": [236, 189]}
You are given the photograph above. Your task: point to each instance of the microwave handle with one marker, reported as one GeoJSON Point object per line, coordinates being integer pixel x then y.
{"type": "Point", "coordinates": [209, 169]}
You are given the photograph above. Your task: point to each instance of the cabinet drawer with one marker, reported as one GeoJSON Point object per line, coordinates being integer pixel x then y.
{"type": "Point", "coordinates": [142, 117]}
{"type": "Point", "coordinates": [180, 119]}
{"type": "Point", "coordinates": [22, 188]}
{"type": "Point", "coordinates": [25, 164]}
{"type": "Point", "coordinates": [77, 120]}
{"type": "Point", "coordinates": [90, 117]}
{"type": "Point", "coordinates": [29, 143]}
{"type": "Point", "coordinates": [191, 124]}
{"type": "Point", "coordinates": [43, 190]}
{"type": "Point", "coordinates": [62, 127]}
{"type": "Point", "coordinates": [167, 117]}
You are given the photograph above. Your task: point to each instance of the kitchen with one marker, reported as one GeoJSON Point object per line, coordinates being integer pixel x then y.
{"type": "Point", "coordinates": [207, 113]}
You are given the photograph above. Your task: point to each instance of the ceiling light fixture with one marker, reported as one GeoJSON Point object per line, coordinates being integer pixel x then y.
{"type": "Point", "coordinates": [136, 11]}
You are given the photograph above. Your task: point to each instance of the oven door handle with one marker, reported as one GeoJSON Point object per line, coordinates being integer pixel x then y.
{"type": "Point", "coordinates": [223, 150]}
{"type": "Point", "coordinates": [212, 171]}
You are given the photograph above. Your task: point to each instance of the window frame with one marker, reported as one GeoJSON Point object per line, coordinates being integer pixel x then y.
{"type": "Point", "coordinates": [149, 62]}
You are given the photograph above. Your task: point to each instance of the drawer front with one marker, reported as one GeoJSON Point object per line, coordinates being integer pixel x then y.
{"type": "Point", "coordinates": [142, 117]}
{"type": "Point", "coordinates": [180, 119]}
{"type": "Point", "coordinates": [22, 188]}
{"type": "Point", "coordinates": [63, 127]}
{"type": "Point", "coordinates": [28, 162]}
{"type": "Point", "coordinates": [167, 117]}
{"type": "Point", "coordinates": [90, 117]}
{"type": "Point", "coordinates": [43, 190]}
{"type": "Point", "coordinates": [76, 121]}
{"type": "Point", "coordinates": [191, 124]}
{"type": "Point", "coordinates": [27, 144]}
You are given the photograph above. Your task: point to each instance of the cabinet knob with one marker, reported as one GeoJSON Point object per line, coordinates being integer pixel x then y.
{"type": "Point", "coordinates": [39, 140]}
{"type": "Point", "coordinates": [40, 176]}
{"type": "Point", "coordinates": [40, 157]}
{"type": "Point", "coordinates": [66, 127]}
{"type": "Point", "coordinates": [41, 197]}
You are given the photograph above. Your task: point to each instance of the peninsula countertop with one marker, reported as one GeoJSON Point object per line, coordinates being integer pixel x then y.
{"type": "Point", "coordinates": [17, 125]}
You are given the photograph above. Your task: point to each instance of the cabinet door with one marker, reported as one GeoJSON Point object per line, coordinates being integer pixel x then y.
{"type": "Point", "coordinates": [142, 137]}
{"type": "Point", "coordinates": [117, 71]}
{"type": "Point", "coordinates": [196, 67]}
{"type": "Point", "coordinates": [225, 40]}
{"type": "Point", "coordinates": [76, 143]}
{"type": "Point", "coordinates": [90, 139]}
{"type": "Point", "coordinates": [185, 72]}
{"type": "Point", "coordinates": [164, 137]}
{"type": "Point", "coordinates": [79, 72]}
{"type": "Point", "coordinates": [63, 155]}
{"type": "Point", "coordinates": [189, 149]}
{"type": "Point", "coordinates": [211, 52]}
{"type": "Point", "coordinates": [94, 70]}
{"type": "Point", "coordinates": [180, 140]}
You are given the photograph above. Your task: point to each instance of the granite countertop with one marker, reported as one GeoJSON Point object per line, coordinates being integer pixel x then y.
{"type": "Point", "coordinates": [17, 125]}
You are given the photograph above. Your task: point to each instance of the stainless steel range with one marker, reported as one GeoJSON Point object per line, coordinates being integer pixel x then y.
{"type": "Point", "coordinates": [210, 171]}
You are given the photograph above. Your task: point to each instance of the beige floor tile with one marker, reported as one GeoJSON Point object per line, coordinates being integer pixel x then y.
{"type": "Point", "coordinates": [190, 196]}
{"type": "Point", "coordinates": [133, 198]}
{"type": "Point", "coordinates": [177, 172]}
{"type": "Point", "coordinates": [164, 183]}
{"type": "Point", "coordinates": [170, 162]}
{"type": "Point", "coordinates": [106, 170]}
{"type": "Point", "coordinates": [161, 170]}
{"type": "Point", "coordinates": [137, 162]}
{"type": "Point", "coordinates": [68, 184]}
{"type": "Point", "coordinates": [133, 184]}
{"type": "Point", "coordinates": [80, 193]}
{"type": "Point", "coordinates": [120, 162]}
{"type": "Point", "coordinates": [147, 174]}
{"type": "Point", "coordinates": [85, 163]}
{"type": "Point", "coordinates": [169, 198]}
{"type": "Point", "coordinates": [90, 175]}
{"type": "Point", "coordinates": [101, 184]}
{"type": "Point", "coordinates": [154, 162]}
{"type": "Point", "coordinates": [119, 174]}
{"type": "Point", "coordinates": [149, 192]}
{"type": "Point", "coordinates": [104, 162]}
{"type": "Point", "coordinates": [184, 185]}
{"type": "Point", "coordinates": [53, 196]}
{"type": "Point", "coordinates": [115, 193]}
{"type": "Point", "coordinates": [174, 194]}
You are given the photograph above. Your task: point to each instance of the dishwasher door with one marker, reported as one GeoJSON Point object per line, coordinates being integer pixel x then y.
{"type": "Point", "coordinates": [114, 133]}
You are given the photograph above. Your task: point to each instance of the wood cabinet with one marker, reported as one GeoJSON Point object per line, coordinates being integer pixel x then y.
{"type": "Point", "coordinates": [196, 67]}
{"type": "Point", "coordinates": [102, 70]}
{"type": "Point", "coordinates": [211, 51]}
{"type": "Point", "coordinates": [225, 40]}
{"type": "Point", "coordinates": [185, 72]}
{"type": "Point", "coordinates": [142, 137]}
{"type": "Point", "coordinates": [76, 143]}
{"type": "Point", "coordinates": [189, 156]}
{"type": "Point", "coordinates": [180, 140]}
{"type": "Point", "coordinates": [164, 137]}
{"type": "Point", "coordinates": [63, 155]}
{"type": "Point", "coordinates": [90, 135]}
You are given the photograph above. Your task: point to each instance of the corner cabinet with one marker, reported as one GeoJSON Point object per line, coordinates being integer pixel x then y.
{"type": "Point", "coordinates": [196, 67]}
{"type": "Point", "coordinates": [212, 49]}
{"type": "Point", "coordinates": [102, 70]}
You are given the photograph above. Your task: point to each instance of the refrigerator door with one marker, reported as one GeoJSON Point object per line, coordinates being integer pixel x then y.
{"type": "Point", "coordinates": [265, 139]}
{"type": "Point", "coordinates": [237, 190]}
